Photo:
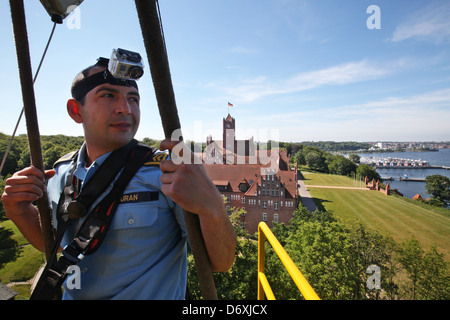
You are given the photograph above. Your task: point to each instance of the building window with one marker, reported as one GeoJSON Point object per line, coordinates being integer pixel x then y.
{"type": "Point", "coordinates": [264, 204]}
{"type": "Point", "coordinates": [275, 218]}
{"type": "Point", "coordinates": [275, 206]}
{"type": "Point", "coordinates": [264, 217]}
{"type": "Point", "coordinates": [243, 200]}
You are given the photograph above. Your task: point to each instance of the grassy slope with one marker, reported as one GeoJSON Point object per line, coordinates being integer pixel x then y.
{"type": "Point", "coordinates": [393, 216]}
{"type": "Point", "coordinates": [25, 264]}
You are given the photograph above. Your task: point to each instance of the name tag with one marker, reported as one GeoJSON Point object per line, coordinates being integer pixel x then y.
{"type": "Point", "coordinates": [140, 197]}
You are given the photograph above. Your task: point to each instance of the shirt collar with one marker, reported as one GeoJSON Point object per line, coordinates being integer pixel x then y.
{"type": "Point", "coordinates": [83, 173]}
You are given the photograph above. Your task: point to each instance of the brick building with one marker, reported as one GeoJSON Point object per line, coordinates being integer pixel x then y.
{"type": "Point", "coordinates": [260, 181]}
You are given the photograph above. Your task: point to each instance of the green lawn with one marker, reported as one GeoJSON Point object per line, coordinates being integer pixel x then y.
{"type": "Point", "coordinates": [393, 216]}
{"type": "Point", "coordinates": [320, 179]}
{"type": "Point", "coordinates": [19, 261]}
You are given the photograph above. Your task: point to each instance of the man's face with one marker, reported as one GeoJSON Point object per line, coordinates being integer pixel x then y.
{"type": "Point", "coordinates": [111, 115]}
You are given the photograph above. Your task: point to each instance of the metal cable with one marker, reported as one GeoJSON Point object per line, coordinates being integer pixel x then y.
{"type": "Point", "coordinates": [8, 148]}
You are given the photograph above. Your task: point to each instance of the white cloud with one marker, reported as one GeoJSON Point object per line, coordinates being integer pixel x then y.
{"type": "Point", "coordinates": [420, 117]}
{"type": "Point", "coordinates": [242, 50]}
{"type": "Point", "coordinates": [352, 72]}
{"type": "Point", "coordinates": [429, 24]}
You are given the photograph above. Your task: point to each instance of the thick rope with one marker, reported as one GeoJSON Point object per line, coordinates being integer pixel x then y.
{"type": "Point", "coordinates": [159, 67]}
{"type": "Point", "coordinates": [29, 105]}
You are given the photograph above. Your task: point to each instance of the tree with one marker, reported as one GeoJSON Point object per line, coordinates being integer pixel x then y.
{"type": "Point", "coordinates": [364, 171]}
{"type": "Point", "coordinates": [299, 158]}
{"type": "Point", "coordinates": [434, 283]}
{"type": "Point", "coordinates": [342, 166]}
{"type": "Point", "coordinates": [438, 187]}
{"type": "Point", "coordinates": [151, 142]}
{"type": "Point", "coordinates": [354, 158]}
{"type": "Point", "coordinates": [315, 161]}
{"type": "Point", "coordinates": [239, 283]}
{"type": "Point", "coordinates": [428, 272]}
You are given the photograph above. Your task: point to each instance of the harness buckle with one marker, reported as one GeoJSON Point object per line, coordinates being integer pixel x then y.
{"type": "Point", "coordinates": [72, 254]}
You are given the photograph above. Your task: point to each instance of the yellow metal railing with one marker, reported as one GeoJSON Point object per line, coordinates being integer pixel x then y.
{"type": "Point", "coordinates": [264, 288]}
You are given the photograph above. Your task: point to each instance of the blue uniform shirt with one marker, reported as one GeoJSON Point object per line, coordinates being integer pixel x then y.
{"type": "Point", "coordinates": [143, 255]}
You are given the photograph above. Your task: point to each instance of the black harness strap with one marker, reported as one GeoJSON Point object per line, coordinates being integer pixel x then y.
{"type": "Point", "coordinates": [96, 224]}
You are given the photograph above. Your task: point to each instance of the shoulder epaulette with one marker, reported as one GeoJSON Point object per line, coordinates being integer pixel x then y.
{"type": "Point", "coordinates": [66, 158]}
{"type": "Point", "coordinates": [156, 159]}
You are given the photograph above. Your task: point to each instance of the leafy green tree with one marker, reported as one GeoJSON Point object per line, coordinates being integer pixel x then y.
{"type": "Point", "coordinates": [369, 247]}
{"type": "Point", "coordinates": [354, 158]}
{"type": "Point", "coordinates": [315, 161]}
{"type": "Point", "coordinates": [299, 158]}
{"type": "Point", "coordinates": [434, 284]}
{"type": "Point", "coordinates": [438, 187]}
{"type": "Point", "coordinates": [342, 166]}
{"type": "Point", "coordinates": [428, 273]}
{"type": "Point", "coordinates": [364, 171]}
{"type": "Point", "coordinates": [240, 282]}
{"type": "Point", "coordinates": [151, 142]}
{"type": "Point", "coordinates": [320, 251]}
{"type": "Point", "coordinates": [334, 258]}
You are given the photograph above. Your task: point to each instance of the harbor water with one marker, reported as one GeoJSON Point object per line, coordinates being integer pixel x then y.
{"type": "Point", "coordinates": [409, 189]}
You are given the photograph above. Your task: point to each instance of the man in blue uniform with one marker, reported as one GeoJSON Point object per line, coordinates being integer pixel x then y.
{"type": "Point", "coordinates": [143, 255]}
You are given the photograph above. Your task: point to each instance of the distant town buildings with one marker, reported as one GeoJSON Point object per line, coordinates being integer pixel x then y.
{"type": "Point", "coordinates": [409, 146]}
{"type": "Point", "coordinates": [260, 181]}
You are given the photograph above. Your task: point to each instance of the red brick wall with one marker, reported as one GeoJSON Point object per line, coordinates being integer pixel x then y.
{"type": "Point", "coordinates": [254, 212]}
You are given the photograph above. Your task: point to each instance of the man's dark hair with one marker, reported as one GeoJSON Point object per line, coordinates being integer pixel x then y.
{"type": "Point", "coordinates": [80, 77]}
{"type": "Point", "coordinates": [85, 81]}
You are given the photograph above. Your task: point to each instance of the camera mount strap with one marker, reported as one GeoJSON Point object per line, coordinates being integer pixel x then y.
{"type": "Point", "coordinates": [96, 224]}
{"type": "Point", "coordinates": [81, 88]}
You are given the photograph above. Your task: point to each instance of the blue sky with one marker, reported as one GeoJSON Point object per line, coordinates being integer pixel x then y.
{"type": "Point", "coordinates": [295, 70]}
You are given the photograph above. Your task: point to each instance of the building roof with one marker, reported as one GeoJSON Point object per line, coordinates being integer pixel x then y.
{"type": "Point", "coordinates": [233, 174]}
{"type": "Point", "coordinates": [250, 173]}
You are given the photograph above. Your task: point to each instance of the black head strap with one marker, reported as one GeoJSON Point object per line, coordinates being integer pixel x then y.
{"type": "Point", "coordinates": [81, 89]}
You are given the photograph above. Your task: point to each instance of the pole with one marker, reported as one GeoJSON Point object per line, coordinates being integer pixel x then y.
{"type": "Point", "coordinates": [148, 13]}
{"type": "Point", "coordinates": [29, 104]}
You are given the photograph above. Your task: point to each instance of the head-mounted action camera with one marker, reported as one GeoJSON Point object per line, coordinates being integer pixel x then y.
{"type": "Point", "coordinates": [126, 64]}
{"type": "Point", "coordinates": [122, 69]}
